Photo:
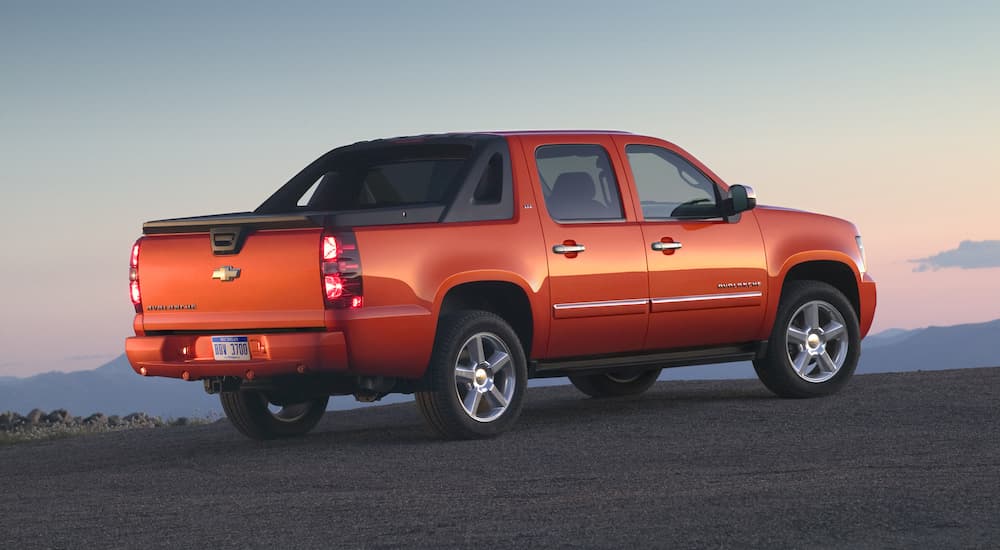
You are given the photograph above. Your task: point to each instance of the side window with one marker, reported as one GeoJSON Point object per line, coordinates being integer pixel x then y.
{"type": "Point", "coordinates": [306, 197]}
{"type": "Point", "coordinates": [489, 190]}
{"type": "Point", "coordinates": [327, 190]}
{"type": "Point", "coordinates": [383, 184]}
{"type": "Point", "coordinates": [669, 186]}
{"type": "Point", "coordinates": [578, 182]}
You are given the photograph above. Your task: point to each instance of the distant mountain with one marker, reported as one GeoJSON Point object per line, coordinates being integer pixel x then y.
{"type": "Point", "coordinates": [115, 389]}
{"type": "Point", "coordinates": [893, 350]}
{"type": "Point", "coordinates": [933, 348]}
{"type": "Point", "coordinates": [887, 337]}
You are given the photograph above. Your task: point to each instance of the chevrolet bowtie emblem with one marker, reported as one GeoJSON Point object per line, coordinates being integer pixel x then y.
{"type": "Point", "coordinates": [226, 273]}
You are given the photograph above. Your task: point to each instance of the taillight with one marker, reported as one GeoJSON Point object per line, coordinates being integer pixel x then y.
{"type": "Point", "coordinates": [340, 266]}
{"type": "Point", "coordinates": [133, 277]}
{"type": "Point", "coordinates": [330, 250]}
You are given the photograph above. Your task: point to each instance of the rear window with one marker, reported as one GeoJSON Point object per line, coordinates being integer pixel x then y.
{"type": "Point", "coordinates": [393, 176]}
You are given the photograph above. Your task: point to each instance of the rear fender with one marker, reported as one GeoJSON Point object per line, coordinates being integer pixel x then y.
{"type": "Point", "coordinates": [537, 295]}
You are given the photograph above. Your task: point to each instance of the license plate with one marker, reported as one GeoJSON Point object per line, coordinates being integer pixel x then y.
{"type": "Point", "coordinates": [231, 348]}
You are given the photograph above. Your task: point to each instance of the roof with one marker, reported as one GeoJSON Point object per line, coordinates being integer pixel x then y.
{"type": "Point", "coordinates": [474, 136]}
{"type": "Point", "coordinates": [556, 132]}
{"type": "Point", "coordinates": [507, 133]}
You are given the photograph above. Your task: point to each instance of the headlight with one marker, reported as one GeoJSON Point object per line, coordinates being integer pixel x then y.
{"type": "Point", "coordinates": [861, 249]}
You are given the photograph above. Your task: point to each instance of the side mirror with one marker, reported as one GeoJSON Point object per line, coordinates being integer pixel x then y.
{"type": "Point", "coordinates": [741, 199]}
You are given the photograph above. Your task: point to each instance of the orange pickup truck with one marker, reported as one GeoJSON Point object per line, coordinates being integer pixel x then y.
{"type": "Point", "coordinates": [457, 266]}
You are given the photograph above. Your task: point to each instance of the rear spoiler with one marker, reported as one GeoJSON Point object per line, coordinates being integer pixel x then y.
{"type": "Point", "coordinates": [248, 220]}
{"type": "Point", "coordinates": [228, 232]}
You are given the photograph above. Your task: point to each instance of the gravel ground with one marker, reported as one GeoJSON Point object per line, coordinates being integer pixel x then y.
{"type": "Point", "coordinates": [894, 461]}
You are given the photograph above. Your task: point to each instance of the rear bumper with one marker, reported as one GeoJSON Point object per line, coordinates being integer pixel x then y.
{"type": "Point", "coordinates": [189, 356]}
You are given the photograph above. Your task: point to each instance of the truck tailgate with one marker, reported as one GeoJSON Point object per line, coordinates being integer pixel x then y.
{"type": "Point", "coordinates": [273, 282]}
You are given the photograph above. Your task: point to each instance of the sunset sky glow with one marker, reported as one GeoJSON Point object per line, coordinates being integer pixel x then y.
{"type": "Point", "coordinates": [113, 113]}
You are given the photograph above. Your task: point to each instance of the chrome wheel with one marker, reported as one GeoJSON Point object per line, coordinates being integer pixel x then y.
{"type": "Point", "coordinates": [817, 341]}
{"type": "Point", "coordinates": [485, 378]}
{"type": "Point", "coordinates": [476, 378]}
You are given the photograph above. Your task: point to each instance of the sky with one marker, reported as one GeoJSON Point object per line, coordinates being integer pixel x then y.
{"type": "Point", "coordinates": [114, 113]}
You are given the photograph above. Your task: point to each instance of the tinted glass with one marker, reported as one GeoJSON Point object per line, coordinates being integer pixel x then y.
{"type": "Point", "coordinates": [669, 186]}
{"type": "Point", "coordinates": [578, 182]}
{"type": "Point", "coordinates": [374, 178]}
{"type": "Point", "coordinates": [490, 187]}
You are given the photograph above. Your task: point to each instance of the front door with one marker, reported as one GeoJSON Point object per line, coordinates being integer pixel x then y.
{"type": "Point", "coordinates": [597, 267]}
{"type": "Point", "coordinates": [707, 274]}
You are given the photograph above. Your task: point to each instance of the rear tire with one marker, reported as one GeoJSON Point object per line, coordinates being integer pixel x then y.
{"type": "Point", "coordinates": [615, 384]}
{"type": "Point", "coordinates": [250, 413]}
{"type": "Point", "coordinates": [815, 343]}
{"type": "Point", "coordinates": [477, 377]}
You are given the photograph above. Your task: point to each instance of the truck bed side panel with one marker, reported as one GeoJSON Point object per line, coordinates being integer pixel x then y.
{"type": "Point", "coordinates": [409, 269]}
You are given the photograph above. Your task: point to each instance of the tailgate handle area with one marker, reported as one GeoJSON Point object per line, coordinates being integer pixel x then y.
{"type": "Point", "coordinates": [227, 240]}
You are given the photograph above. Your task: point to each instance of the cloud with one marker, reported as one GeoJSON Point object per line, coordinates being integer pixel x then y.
{"type": "Point", "coordinates": [968, 255]}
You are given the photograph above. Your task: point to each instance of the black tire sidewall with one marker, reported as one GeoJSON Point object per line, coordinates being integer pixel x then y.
{"type": "Point", "coordinates": [776, 370]}
{"type": "Point", "coordinates": [601, 385]}
{"type": "Point", "coordinates": [455, 330]}
{"type": "Point", "coordinates": [248, 412]}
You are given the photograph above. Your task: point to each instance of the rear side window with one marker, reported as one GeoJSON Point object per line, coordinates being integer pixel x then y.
{"type": "Point", "coordinates": [385, 184]}
{"type": "Point", "coordinates": [578, 182]}
{"type": "Point", "coordinates": [392, 176]}
{"type": "Point", "coordinates": [462, 178]}
{"type": "Point", "coordinates": [489, 190]}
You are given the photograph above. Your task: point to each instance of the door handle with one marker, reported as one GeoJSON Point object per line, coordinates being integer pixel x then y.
{"type": "Point", "coordinates": [568, 248]}
{"type": "Point", "coordinates": [660, 245]}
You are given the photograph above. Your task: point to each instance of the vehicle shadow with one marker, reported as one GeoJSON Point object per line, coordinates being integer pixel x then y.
{"type": "Point", "coordinates": [402, 424]}
{"type": "Point", "coordinates": [549, 413]}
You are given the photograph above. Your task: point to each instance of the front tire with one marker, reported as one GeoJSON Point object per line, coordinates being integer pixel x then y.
{"type": "Point", "coordinates": [251, 413]}
{"type": "Point", "coordinates": [815, 343]}
{"type": "Point", "coordinates": [477, 377]}
{"type": "Point", "coordinates": [615, 384]}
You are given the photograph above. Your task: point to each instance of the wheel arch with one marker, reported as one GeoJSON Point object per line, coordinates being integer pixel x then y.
{"type": "Point", "coordinates": [837, 272]}
{"type": "Point", "coordinates": [500, 295]}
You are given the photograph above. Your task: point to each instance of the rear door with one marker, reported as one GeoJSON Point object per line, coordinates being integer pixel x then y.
{"type": "Point", "coordinates": [707, 274]}
{"type": "Point", "coordinates": [597, 265]}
